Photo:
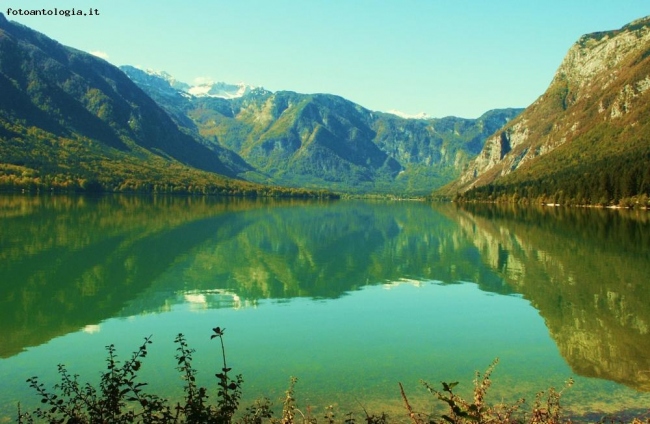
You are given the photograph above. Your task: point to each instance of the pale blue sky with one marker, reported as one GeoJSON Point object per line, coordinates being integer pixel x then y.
{"type": "Point", "coordinates": [442, 57]}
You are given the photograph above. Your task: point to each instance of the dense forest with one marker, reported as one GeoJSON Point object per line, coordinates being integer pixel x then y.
{"type": "Point", "coordinates": [621, 181]}
{"type": "Point", "coordinates": [41, 162]}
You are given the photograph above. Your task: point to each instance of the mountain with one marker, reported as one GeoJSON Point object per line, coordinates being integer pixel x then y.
{"type": "Point", "coordinates": [421, 115]}
{"type": "Point", "coordinates": [72, 121]}
{"type": "Point", "coordinates": [220, 90]}
{"type": "Point", "coordinates": [323, 140]}
{"type": "Point", "coordinates": [161, 80]}
{"type": "Point", "coordinates": [585, 140]}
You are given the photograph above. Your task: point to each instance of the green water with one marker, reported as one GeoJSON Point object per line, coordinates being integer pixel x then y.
{"type": "Point", "coordinates": [351, 297]}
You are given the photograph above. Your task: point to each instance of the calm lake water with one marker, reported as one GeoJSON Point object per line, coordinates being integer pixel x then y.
{"type": "Point", "coordinates": [350, 297]}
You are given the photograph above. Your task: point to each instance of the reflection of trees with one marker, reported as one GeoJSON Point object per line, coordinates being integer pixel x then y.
{"type": "Point", "coordinates": [66, 262]}
{"type": "Point", "coordinates": [586, 271]}
{"type": "Point", "coordinates": [72, 261]}
{"type": "Point", "coordinates": [325, 251]}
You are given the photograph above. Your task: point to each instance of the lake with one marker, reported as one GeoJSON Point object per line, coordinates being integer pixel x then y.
{"type": "Point", "coordinates": [351, 297]}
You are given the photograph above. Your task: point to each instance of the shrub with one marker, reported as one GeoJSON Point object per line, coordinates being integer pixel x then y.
{"type": "Point", "coordinates": [121, 398]}
{"type": "Point", "coordinates": [478, 410]}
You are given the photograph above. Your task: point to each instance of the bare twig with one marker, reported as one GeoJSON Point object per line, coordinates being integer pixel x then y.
{"type": "Point", "coordinates": [408, 405]}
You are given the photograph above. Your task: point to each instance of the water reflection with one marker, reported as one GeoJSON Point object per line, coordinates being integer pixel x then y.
{"type": "Point", "coordinates": [69, 263]}
{"type": "Point", "coordinates": [586, 271]}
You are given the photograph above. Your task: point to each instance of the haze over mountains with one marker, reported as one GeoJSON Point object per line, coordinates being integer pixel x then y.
{"type": "Point", "coordinates": [69, 120]}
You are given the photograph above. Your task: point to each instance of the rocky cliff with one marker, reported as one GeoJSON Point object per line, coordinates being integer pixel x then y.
{"type": "Point", "coordinates": [595, 109]}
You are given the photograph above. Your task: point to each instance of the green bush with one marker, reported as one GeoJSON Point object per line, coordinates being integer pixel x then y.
{"type": "Point", "coordinates": [121, 398]}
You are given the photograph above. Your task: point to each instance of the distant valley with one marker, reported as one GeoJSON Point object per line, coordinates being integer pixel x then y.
{"type": "Point", "coordinates": [70, 121]}
{"type": "Point", "coordinates": [323, 140]}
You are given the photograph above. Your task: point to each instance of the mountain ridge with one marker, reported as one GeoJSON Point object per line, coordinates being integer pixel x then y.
{"type": "Point", "coordinates": [206, 88]}
{"type": "Point", "coordinates": [325, 140]}
{"type": "Point", "coordinates": [72, 121]}
{"type": "Point", "coordinates": [79, 87]}
{"type": "Point", "coordinates": [585, 139]}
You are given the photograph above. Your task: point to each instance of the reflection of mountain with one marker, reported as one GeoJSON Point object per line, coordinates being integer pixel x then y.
{"type": "Point", "coordinates": [324, 250]}
{"type": "Point", "coordinates": [68, 262]}
{"type": "Point", "coordinates": [586, 271]}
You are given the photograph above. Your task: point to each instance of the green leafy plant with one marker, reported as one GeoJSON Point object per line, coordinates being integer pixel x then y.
{"type": "Point", "coordinates": [112, 401]}
{"type": "Point", "coordinates": [120, 396]}
{"type": "Point", "coordinates": [229, 389]}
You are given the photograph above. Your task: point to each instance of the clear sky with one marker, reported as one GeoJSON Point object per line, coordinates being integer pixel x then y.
{"type": "Point", "coordinates": [442, 57]}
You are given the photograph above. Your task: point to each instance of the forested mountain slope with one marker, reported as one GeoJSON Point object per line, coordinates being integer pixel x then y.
{"type": "Point", "coordinates": [72, 121]}
{"type": "Point", "coordinates": [586, 140]}
{"type": "Point", "coordinates": [323, 140]}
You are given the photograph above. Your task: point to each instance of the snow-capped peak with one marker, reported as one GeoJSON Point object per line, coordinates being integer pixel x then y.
{"type": "Point", "coordinates": [203, 87]}
{"type": "Point", "coordinates": [421, 115]}
{"type": "Point", "coordinates": [220, 89]}
{"type": "Point", "coordinates": [173, 82]}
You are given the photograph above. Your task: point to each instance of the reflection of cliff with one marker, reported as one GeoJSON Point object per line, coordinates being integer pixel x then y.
{"type": "Point", "coordinates": [586, 271]}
